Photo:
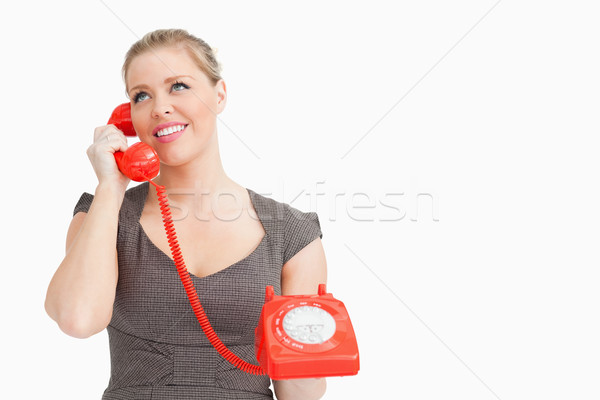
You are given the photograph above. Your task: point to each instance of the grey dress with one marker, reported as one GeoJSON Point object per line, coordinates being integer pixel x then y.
{"type": "Point", "coordinates": [157, 348]}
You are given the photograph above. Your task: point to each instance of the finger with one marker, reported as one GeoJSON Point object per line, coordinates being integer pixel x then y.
{"type": "Point", "coordinates": [122, 144]}
{"type": "Point", "coordinates": [114, 142]}
{"type": "Point", "coordinates": [118, 130]}
{"type": "Point", "coordinates": [102, 131]}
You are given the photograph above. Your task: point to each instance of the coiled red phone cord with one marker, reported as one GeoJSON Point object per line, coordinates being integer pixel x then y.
{"type": "Point", "coordinates": [191, 290]}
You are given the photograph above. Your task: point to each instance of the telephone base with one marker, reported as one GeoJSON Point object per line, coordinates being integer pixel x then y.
{"type": "Point", "coordinates": [305, 337]}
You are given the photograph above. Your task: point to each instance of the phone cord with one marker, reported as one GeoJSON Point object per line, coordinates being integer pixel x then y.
{"type": "Point", "coordinates": [191, 290]}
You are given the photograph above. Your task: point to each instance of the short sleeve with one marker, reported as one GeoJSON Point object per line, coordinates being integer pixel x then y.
{"type": "Point", "coordinates": [300, 229]}
{"type": "Point", "coordinates": [84, 203]}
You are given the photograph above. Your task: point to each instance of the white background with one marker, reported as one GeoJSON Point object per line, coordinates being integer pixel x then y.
{"type": "Point", "coordinates": [480, 283]}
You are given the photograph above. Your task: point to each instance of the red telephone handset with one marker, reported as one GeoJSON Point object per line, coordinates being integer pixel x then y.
{"type": "Point", "coordinates": [296, 337]}
{"type": "Point", "coordinates": [140, 162]}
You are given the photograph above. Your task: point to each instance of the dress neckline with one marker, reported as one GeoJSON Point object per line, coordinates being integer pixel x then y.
{"type": "Point", "coordinates": [142, 201]}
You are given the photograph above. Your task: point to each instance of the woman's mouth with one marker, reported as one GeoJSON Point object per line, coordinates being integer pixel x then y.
{"type": "Point", "coordinates": [170, 130]}
{"type": "Point", "coordinates": [170, 133]}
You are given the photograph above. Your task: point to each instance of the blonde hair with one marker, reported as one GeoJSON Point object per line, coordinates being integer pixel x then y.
{"type": "Point", "coordinates": [200, 52]}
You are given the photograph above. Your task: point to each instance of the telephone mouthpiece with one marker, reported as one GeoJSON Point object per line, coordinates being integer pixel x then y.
{"type": "Point", "coordinates": [139, 162]}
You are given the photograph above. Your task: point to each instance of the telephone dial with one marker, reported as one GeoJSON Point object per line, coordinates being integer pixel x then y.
{"type": "Point", "coordinates": [308, 336]}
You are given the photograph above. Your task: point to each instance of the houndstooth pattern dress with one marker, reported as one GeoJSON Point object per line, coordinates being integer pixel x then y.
{"type": "Point", "coordinates": [157, 348]}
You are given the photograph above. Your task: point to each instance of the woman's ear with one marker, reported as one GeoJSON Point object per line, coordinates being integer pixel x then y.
{"type": "Point", "coordinates": [221, 92]}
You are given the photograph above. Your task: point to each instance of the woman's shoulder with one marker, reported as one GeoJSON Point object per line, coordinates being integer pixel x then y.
{"type": "Point", "coordinates": [295, 228]}
{"type": "Point", "coordinates": [279, 209]}
{"type": "Point", "coordinates": [267, 205]}
{"type": "Point", "coordinates": [133, 196]}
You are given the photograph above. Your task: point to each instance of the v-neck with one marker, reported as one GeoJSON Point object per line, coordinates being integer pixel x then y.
{"type": "Point", "coordinates": [145, 237]}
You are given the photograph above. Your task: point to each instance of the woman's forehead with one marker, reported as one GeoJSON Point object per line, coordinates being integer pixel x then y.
{"type": "Point", "coordinates": [159, 64]}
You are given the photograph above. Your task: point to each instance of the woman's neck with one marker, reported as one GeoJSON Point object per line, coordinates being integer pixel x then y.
{"type": "Point", "coordinates": [200, 185]}
{"type": "Point", "coordinates": [207, 174]}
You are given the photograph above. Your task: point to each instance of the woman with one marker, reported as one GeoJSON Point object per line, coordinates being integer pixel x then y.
{"type": "Point", "coordinates": [117, 272]}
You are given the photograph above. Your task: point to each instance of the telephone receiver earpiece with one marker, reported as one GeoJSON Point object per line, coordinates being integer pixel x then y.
{"type": "Point", "coordinates": [121, 118]}
{"type": "Point", "coordinates": [139, 162]}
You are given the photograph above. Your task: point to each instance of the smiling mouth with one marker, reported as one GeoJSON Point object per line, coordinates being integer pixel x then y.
{"type": "Point", "coordinates": [170, 130]}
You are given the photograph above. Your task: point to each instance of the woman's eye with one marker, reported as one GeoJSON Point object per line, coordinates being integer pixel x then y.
{"type": "Point", "coordinates": [140, 97]}
{"type": "Point", "coordinates": [178, 86]}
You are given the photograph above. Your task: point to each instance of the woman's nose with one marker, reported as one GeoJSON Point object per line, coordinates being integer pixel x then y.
{"type": "Point", "coordinates": [161, 109]}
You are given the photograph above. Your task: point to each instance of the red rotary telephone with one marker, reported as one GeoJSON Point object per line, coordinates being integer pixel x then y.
{"type": "Point", "coordinates": [297, 336]}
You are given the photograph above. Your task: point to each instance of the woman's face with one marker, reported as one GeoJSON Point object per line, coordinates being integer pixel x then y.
{"type": "Point", "coordinates": [174, 106]}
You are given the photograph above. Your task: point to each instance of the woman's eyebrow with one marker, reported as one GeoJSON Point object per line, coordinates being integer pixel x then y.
{"type": "Point", "coordinates": [172, 78]}
{"type": "Point", "coordinates": [137, 87]}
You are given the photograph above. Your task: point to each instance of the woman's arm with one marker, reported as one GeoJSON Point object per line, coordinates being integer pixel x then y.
{"type": "Point", "coordinates": [302, 274]}
{"type": "Point", "coordinates": [81, 293]}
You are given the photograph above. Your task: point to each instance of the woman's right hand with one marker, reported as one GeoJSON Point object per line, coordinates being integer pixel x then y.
{"type": "Point", "coordinates": [108, 140]}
